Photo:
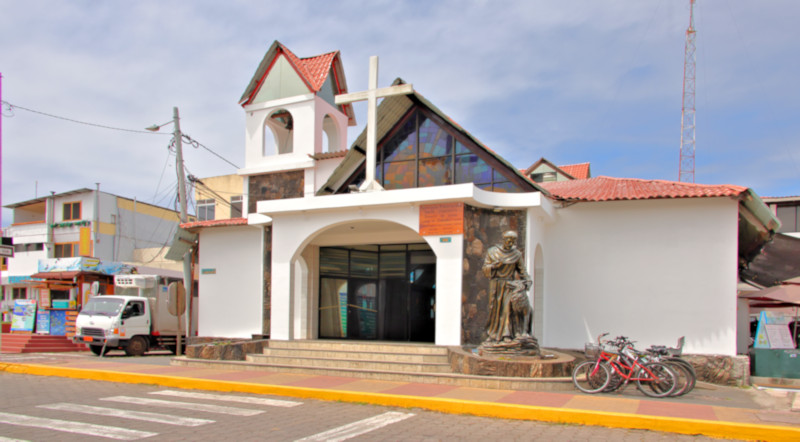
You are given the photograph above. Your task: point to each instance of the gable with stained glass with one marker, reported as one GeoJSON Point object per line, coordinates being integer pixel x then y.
{"type": "Point", "coordinates": [423, 151]}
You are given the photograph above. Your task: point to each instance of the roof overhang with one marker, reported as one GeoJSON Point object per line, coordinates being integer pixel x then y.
{"type": "Point", "coordinates": [466, 193]}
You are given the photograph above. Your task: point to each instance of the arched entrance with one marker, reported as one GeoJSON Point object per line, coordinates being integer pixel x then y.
{"type": "Point", "coordinates": [376, 291]}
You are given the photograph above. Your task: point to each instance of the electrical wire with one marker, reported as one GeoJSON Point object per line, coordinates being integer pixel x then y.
{"type": "Point", "coordinates": [14, 106]}
{"type": "Point", "coordinates": [197, 144]}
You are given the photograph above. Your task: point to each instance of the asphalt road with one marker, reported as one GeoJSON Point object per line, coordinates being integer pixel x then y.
{"type": "Point", "coordinates": [40, 408]}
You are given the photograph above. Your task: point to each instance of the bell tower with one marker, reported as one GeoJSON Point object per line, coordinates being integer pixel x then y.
{"type": "Point", "coordinates": [291, 120]}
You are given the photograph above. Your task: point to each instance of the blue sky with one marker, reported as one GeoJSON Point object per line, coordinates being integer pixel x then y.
{"type": "Point", "coordinates": [570, 80]}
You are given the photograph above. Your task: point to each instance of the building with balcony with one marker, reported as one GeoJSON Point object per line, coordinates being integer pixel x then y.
{"type": "Point", "coordinates": [82, 223]}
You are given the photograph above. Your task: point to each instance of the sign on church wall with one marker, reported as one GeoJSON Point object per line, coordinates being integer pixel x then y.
{"type": "Point", "coordinates": [441, 219]}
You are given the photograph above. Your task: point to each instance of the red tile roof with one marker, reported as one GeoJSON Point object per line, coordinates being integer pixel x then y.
{"type": "Point", "coordinates": [577, 171]}
{"type": "Point", "coordinates": [605, 188]}
{"type": "Point", "coordinates": [314, 70]}
{"type": "Point", "coordinates": [215, 223]}
{"type": "Point", "coordinates": [329, 155]}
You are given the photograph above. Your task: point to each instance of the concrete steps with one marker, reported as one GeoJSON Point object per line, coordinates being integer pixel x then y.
{"type": "Point", "coordinates": [397, 362]}
{"type": "Point", "coordinates": [405, 358]}
{"type": "Point", "coordinates": [32, 343]}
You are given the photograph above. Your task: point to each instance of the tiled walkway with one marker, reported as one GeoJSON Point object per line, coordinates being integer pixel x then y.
{"type": "Point", "coordinates": [712, 410]}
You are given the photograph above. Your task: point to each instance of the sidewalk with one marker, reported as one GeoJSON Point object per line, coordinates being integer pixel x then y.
{"type": "Point", "coordinates": [711, 410]}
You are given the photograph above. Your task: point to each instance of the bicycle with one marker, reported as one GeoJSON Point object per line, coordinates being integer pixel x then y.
{"type": "Point", "coordinates": [595, 376]}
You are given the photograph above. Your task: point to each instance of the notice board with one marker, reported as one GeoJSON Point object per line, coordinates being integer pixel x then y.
{"type": "Point", "coordinates": [441, 219]}
{"type": "Point", "coordinates": [24, 315]}
{"type": "Point", "coordinates": [43, 322]}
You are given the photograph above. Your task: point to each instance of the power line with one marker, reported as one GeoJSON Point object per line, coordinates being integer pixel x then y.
{"type": "Point", "coordinates": [11, 107]}
{"type": "Point", "coordinates": [197, 144]}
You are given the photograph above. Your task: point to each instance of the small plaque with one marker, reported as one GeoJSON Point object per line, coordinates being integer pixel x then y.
{"type": "Point", "coordinates": [441, 219]}
{"type": "Point", "coordinates": [208, 271]}
{"type": "Point", "coordinates": [445, 239]}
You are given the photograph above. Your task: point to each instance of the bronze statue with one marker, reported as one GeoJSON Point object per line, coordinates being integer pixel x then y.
{"type": "Point", "coordinates": [510, 311]}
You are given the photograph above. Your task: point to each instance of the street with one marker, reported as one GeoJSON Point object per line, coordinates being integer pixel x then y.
{"type": "Point", "coordinates": [37, 408]}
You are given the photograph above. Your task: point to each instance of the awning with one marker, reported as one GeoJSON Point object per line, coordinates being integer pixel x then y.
{"type": "Point", "coordinates": [777, 261]}
{"type": "Point", "coordinates": [63, 275]}
{"type": "Point", "coordinates": [785, 295]}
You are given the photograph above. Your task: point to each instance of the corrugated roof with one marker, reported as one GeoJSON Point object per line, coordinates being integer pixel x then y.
{"type": "Point", "coordinates": [215, 223]}
{"type": "Point", "coordinates": [605, 188]}
{"type": "Point", "coordinates": [578, 171]}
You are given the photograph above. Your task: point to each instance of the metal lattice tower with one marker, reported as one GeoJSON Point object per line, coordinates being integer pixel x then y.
{"type": "Point", "coordinates": [686, 173]}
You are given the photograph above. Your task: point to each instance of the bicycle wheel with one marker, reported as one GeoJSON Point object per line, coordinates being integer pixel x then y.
{"type": "Point", "coordinates": [616, 381]}
{"type": "Point", "coordinates": [689, 368]}
{"type": "Point", "coordinates": [591, 377]}
{"type": "Point", "coordinates": [656, 380]}
{"type": "Point", "coordinates": [684, 378]}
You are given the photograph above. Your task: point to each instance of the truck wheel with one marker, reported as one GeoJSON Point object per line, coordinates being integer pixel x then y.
{"type": "Point", "coordinates": [97, 349]}
{"type": "Point", "coordinates": [136, 346]}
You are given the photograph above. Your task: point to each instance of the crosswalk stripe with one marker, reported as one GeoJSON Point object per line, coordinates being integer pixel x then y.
{"type": "Point", "coordinates": [358, 428]}
{"type": "Point", "coordinates": [8, 439]}
{"type": "Point", "coordinates": [74, 427]}
{"type": "Point", "coordinates": [184, 405]}
{"type": "Point", "coordinates": [228, 398]}
{"type": "Point", "coordinates": [129, 414]}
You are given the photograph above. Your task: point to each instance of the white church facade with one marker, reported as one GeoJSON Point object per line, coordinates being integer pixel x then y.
{"type": "Point", "coordinates": [383, 238]}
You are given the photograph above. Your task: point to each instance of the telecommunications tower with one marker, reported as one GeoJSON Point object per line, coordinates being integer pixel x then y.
{"type": "Point", "coordinates": [686, 172]}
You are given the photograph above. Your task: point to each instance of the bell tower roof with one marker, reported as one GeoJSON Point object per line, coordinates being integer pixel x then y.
{"type": "Point", "coordinates": [281, 73]}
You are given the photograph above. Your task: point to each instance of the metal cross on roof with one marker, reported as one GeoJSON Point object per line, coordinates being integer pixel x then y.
{"type": "Point", "coordinates": [371, 95]}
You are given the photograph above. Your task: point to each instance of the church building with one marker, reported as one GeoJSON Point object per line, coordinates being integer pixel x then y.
{"type": "Point", "coordinates": [384, 238]}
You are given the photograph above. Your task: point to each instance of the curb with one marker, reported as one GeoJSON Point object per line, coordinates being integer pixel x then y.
{"type": "Point", "coordinates": [730, 430]}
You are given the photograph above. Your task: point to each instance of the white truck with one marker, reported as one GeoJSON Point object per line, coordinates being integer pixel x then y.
{"type": "Point", "coordinates": [137, 318]}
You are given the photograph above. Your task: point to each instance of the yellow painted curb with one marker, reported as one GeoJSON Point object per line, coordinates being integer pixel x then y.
{"type": "Point", "coordinates": [729, 430]}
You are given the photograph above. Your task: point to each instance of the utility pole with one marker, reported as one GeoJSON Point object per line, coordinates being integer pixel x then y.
{"type": "Point", "coordinates": [188, 280]}
{"type": "Point", "coordinates": [686, 171]}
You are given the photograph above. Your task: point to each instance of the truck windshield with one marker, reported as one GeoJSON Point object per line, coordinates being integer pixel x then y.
{"type": "Point", "coordinates": [100, 305]}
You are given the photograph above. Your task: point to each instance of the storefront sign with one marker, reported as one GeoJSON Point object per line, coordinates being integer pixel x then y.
{"type": "Point", "coordinates": [441, 219]}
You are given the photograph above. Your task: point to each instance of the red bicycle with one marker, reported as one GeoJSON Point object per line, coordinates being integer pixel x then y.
{"type": "Point", "coordinates": [623, 365]}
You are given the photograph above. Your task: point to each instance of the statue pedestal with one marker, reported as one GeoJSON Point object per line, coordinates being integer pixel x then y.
{"type": "Point", "coordinates": [547, 364]}
{"type": "Point", "coordinates": [526, 346]}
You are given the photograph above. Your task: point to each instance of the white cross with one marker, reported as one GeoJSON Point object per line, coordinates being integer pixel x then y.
{"type": "Point", "coordinates": [371, 95]}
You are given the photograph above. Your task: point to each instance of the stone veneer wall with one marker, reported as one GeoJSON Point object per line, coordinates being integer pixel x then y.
{"type": "Point", "coordinates": [267, 280]}
{"type": "Point", "coordinates": [221, 349]}
{"type": "Point", "coordinates": [274, 186]}
{"type": "Point", "coordinates": [721, 370]}
{"type": "Point", "coordinates": [483, 228]}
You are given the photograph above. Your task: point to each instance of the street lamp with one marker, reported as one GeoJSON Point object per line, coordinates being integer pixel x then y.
{"type": "Point", "coordinates": [188, 281]}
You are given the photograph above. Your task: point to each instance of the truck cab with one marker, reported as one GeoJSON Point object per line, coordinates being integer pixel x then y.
{"type": "Point", "coordinates": [110, 322]}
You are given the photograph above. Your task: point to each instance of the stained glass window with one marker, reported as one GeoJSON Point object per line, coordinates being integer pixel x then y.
{"type": "Point", "coordinates": [399, 175]}
{"type": "Point", "coordinates": [424, 152]}
{"type": "Point", "coordinates": [433, 140]}
{"type": "Point", "coordinates": [435, 172]}
{"type": "Point", "coordinates": [472, 169]}
{"type": "Point", "coordinates": [403, 145]}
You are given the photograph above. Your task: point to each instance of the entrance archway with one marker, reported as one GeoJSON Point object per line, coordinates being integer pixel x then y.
{"type": "Point", "coordinates": [375, 287]}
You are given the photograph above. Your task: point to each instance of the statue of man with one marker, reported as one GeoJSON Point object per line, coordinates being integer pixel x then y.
{"type": "Point", "coordinates": [509, 307]}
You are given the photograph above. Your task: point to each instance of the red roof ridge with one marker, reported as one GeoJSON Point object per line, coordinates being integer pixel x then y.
{"type": "Point", "coordinates": [215, 223]}
{"type": "Point", "coordinates": [605, 188]}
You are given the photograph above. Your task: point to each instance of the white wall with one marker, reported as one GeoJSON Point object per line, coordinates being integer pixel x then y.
{"type": "Point", "coordinates": [230, 300]}
{"type": "Point", "coordinates": [651, 270]}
